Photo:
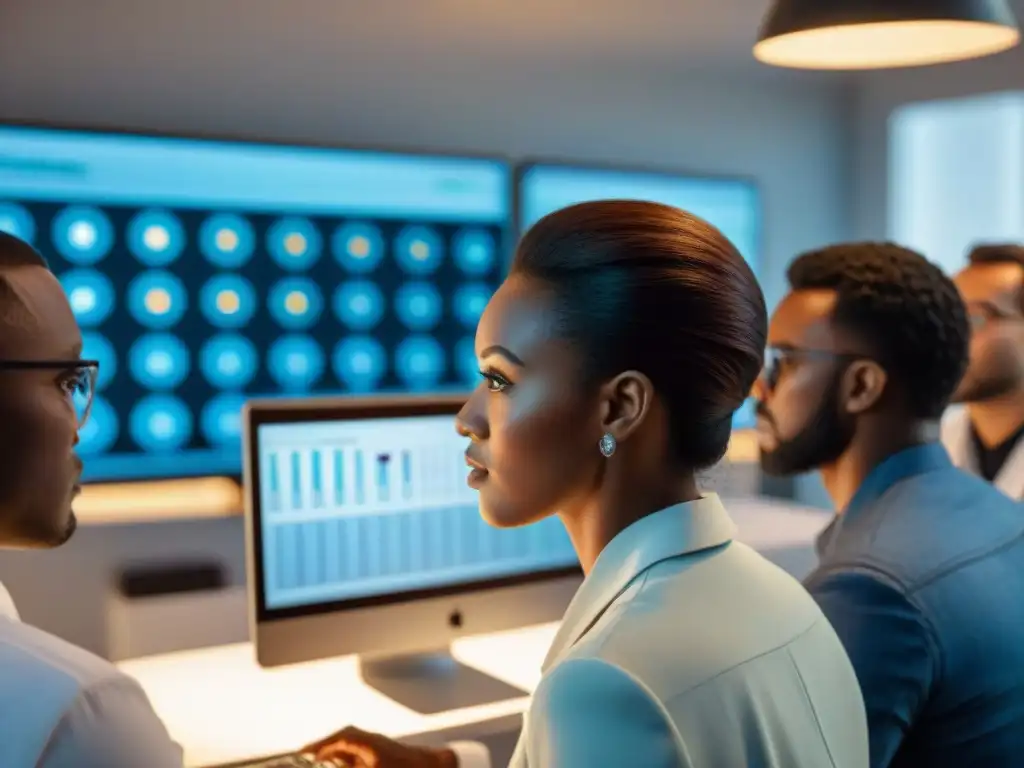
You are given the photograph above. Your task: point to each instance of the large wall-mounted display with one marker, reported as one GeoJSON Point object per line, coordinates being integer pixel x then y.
{"type": "Point", "coordinates": [206, 272]}
{"type": "Point", "coordinates": [732, 205]}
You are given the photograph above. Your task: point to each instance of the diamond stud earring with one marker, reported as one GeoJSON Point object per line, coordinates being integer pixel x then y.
{"type": "Point", "coordinates": [607, 444]}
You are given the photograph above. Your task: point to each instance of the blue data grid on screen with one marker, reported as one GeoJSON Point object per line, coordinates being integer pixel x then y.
{"type": "Point", "coordinates": [296, 362]}
{"type": "Point", "coordinates": [159, 361]}
{"type": "Point", "coordinates": [360, 362]}
{"type": "Point", "coordinates": [221, 419]}
{"type": "Point", "coordinates": [419, 362]}
{"type": "Point", "coordinates": [295, 303]}
{"type": "Point", "coordinates": [294, 243]}
{"type": "Point", "coordinates": [359, 304]}
{"type": "Point", "coordinates": [419, 250]}
{"type": "Point", "coordinates": [418, 305]}
{"type": "Point", "coordinates": [83, 234]}
{"type": "Point", "coordinates": [157, 299]}
{"type": "Point", "coordinates": [470, 301]}
{"type": "Point", "coordinates": [228, 301]}
{"type": "Point", "coordinates": [226, 240]}
{"type": "Point", "coordinates": [732, 205]}
{"type": "Point", "coordinates": [160, 423]}
{"type": "Point", "coordinates": [465, 360]}
{"type": "Point", "coordinates": [156, 237]}
{"type": "Point", "coordinates": [358, 247]}
{"type": "Point", "coordinates": [16, 220]}
{"type": "Point", "coordinates": [228, 361]}
{"type": "Point", "coordinates": [205, 271]}
{"type": "Point", "coordinates": [475, 251]}
{"type": "Point", "coordinates": [361, 508]}
{"type": "Point", "coordinates": [91, 295]}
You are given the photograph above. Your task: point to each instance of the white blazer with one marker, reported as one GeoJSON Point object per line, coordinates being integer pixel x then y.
{"type": "Point", "coordinates": [686, 649]}
{"type": "Point", "coordinates": [956, 436]}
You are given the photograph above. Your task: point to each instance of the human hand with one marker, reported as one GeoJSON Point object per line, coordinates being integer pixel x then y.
{"type": "Point", "coordinates": [359, 749]}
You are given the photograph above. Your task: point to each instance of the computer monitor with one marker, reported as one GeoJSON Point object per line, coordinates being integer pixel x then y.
{"type": "Point", "coordinates": [364, 538]}
{"type": "Point", "coordinates": [204, 273]}
{"type": "Point", "coordinates": [731, 204]}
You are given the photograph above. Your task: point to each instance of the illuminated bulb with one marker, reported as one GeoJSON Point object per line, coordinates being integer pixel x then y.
{"type": "Point", "coordinates": [226, 240]}
{"type": "Point", "coordinates": [296, 302]}
{"type": "Point", "coordinates": [419, 250]}
{"type": "Point", "coordinates": [853, 34]}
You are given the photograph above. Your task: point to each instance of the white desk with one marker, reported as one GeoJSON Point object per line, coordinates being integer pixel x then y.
{"type": "Point", "coordinates": [222, 707]}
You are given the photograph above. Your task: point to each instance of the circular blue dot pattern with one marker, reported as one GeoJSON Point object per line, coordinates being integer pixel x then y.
{"type": "Point", "coordinates": [357, 247]}
{"type": "Point", "coordinates": [226, 240]}
{"type": "Point", "coordinates": [228, 361]}
{"type": "Point", "coordinates": [419, 362]}
{"type": "Point", "coordinates": [294, 243]}
{"type": "Point", "coordinates": [221, 419]}
{"type": "Point", "coordinates": [359, 304]}
{"type": "Point", "coordinates": [419, 250]}
{"type": "Point", "coordinates": [469, 302]}
{"type": "Point", "coordinates": [418, 305]}
{"type": "Point", "coordinates": [82, 234]}
{"type": "Point", "coordinates": [156, 238]}
{"type": "Point", "coordinates": [91, 295]}
{"type": "Point", "coordinates": [359, 362]}
{"type": "Point", "coordinates": [159, 361]}
{"type": "Point", "coordinates": [157, 299]}
{"type": "Point", "coordinates": [160, 423]}
{"type": "Point", "coordinates": [295, 303]}
{"type": "Point", "coordinates": [16, 220]}
{"type": "Point", "coordinates": [474, 251]}
{"type": "Point", "coordinates": [296, 362]}
{"type": "Point", "coordinates": [228, 301]}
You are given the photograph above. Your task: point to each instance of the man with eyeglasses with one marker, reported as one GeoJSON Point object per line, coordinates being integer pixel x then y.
{"type": "Point", "coordinates": [922, 569]}
{"type": "Point", "coordinates": [986, 436]}
{"type": "Point", "coordinates": [60, 706]}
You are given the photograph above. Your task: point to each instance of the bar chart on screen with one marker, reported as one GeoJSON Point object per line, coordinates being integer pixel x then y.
{"type": "Point", "coordinates": [353, 513]}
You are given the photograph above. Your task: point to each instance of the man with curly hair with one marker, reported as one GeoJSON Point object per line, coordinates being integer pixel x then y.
{"type": "Point", "coordinates": [922, 569]}
{"type": "Point", "coordinates": [986, 436]}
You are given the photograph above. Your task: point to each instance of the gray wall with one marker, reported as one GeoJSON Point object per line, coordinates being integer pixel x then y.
{"type": "Point", "coordinates": [791, 133]}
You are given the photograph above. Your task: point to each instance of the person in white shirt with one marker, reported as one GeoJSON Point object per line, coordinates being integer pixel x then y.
{"type": "Point", "coordinates": [613, 358]}
{"type": "Point", "coordinates": [60, 706]}
{"type": "Point", "coordinates": [985, 435]}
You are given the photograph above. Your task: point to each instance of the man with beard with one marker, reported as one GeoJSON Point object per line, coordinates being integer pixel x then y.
{"type": "Point", "coordinates": [60, 707]}
{"type": "Point", "coordinates": [922, 569]}
{"type": "Point", "coordinates": [986, 437]}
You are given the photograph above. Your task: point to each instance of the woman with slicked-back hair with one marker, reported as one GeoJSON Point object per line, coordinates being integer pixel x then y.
{"type": "Point", "coordinates": [612, 359]}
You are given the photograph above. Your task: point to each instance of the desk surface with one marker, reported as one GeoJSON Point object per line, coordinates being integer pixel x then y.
{"type": "Point", "coordinates": [221, 706]}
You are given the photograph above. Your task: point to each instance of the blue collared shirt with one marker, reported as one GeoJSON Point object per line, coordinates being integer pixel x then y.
{"type": "Point", "coordinates": [922, 577]}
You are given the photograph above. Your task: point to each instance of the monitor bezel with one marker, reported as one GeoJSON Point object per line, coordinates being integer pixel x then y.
{"type": "Point", "coordinates": [677, 174]}
{"type": "Point", "coordinates": [509, 228]}
{"type": "Point", "coordinates": [258, 413]}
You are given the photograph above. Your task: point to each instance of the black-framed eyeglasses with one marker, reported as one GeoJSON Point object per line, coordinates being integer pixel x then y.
{"type": "Point", "coordinates": [776, 358]}
{"type": "Point", "coordinates": [79, 383]}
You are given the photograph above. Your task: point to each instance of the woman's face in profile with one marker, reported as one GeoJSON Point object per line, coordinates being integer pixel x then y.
{"type": "Point", "coordinates": [534, 428]}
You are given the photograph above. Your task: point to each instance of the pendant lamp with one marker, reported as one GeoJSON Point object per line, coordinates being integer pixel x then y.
{"type": "Point", "coordinates": [875, 34]}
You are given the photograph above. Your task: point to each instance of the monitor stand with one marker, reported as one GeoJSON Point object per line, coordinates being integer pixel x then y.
{"type": "Point", "coordinates": [433, 682]}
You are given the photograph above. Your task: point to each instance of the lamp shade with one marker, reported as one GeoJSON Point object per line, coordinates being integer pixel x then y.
{"type": "Point", "coordinates": [875, 34]}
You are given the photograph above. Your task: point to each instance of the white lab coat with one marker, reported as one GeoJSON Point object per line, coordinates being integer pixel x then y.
{"type": "Point", "coordinates": [956, 436]}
